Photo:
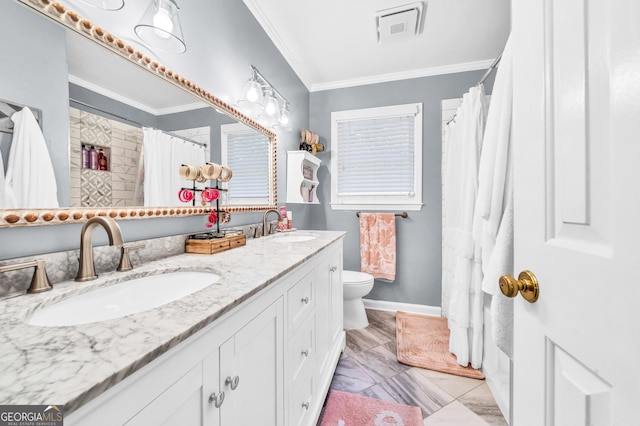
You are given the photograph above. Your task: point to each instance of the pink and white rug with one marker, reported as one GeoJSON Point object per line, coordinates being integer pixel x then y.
{"type": "Point", "coordinates": [346, 409]}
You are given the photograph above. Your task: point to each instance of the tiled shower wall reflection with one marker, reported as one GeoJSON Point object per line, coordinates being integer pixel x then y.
{"type": "Point", "coordinates": [122, 184]}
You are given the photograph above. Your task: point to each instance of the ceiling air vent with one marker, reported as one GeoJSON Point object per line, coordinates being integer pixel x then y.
{"type": "Point", "coordinates": [399, 22]}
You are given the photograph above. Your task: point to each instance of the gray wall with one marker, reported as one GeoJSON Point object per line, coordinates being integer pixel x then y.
{"type": "Point", "coordinates": [418, 239]}
{"type": "Point", "coordinates": [41, 84]}
{"type": "Point", "coordinates": [223, 39]}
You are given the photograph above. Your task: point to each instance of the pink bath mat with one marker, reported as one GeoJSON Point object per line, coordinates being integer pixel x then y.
{"type": "Point", "coordinates": [347, 409]}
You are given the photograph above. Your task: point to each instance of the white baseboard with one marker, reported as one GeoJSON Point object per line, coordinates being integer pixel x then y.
{"type": "Point", "coordinates": [383, 305]}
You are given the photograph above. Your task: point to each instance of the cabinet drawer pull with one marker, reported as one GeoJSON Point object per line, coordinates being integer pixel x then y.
{"type": "Point", "coordinates": [216, 399]}
{"type": "Point", "coordinates": [305, 405]}
{"type": "Point", "coordinates": [305, 353]}
{"type": "Point", "coordinates": [305, 300]}
{"type": "Point", "coordinates": [232, 381]}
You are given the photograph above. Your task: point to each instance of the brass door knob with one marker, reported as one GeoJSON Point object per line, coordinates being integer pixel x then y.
{"type": "Point", "coordinates": [526, 284]}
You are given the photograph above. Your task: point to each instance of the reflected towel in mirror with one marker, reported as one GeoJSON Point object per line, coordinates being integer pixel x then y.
{"type": "Point", "coordinates": [30, 181]}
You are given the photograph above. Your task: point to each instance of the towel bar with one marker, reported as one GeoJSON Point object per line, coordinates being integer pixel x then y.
{"type": "Point", "coordinates": [403, 214]}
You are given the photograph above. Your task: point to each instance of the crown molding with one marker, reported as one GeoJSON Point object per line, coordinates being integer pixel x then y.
{"type": "Point", "coordinates": [272, 33]}
{"type": "Point", "coordinates": [404, 75]}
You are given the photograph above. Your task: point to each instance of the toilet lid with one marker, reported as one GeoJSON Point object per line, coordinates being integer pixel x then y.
{"type": "Point", "coordinates": [353, 277]}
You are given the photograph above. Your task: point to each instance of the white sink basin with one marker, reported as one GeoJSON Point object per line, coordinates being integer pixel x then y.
{"type": "Point", "coordinates": [122, 299]}
{"type": "Point", "coordinates": [295, 237]}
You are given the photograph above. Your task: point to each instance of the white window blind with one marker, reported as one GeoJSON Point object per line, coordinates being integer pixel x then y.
{"type": "Point", "coordinates": [377, 157]}
{"type": "Point", "coordinates": [246, 152]}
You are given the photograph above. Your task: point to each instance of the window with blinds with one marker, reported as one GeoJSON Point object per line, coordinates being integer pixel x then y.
{"type": "Point", "coordinates": [376, 158]}
{"type": "Point", "coordinates": [246, 152]}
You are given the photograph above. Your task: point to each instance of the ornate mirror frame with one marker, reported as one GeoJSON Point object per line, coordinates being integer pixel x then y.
{"type": "Point", "coordinates": [59, 216]}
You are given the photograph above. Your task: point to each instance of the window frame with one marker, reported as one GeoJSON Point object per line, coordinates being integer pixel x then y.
{"type": "Point", "coordinates": [381, 201]}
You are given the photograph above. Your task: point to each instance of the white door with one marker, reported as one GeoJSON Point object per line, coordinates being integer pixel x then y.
{"type": "Point", "coordinates": [576, 138]}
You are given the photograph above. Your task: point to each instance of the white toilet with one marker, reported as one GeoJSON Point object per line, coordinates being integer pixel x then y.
{"type": "Point", "coordinates": [355, 285]}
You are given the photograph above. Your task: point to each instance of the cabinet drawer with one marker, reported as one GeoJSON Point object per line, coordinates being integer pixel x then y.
{"type": "Point", "coordinates": [301, 401]}
{"type": "Point", "coordinates": [300, 301]}
{"type": "Point", "coordinates": [302, 348]}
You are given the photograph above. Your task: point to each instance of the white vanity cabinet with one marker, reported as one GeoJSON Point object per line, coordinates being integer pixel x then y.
{"type": "Point", "coordinates": [244, 378]}
{"type": "Point", "coordinates": [316, 336]}
{"type": "Point", "coordinates": [329, 312]}
{"type": "Point", "coordinates": [269, 361]}
{"type": "Point", "coordinates": [211, 381]}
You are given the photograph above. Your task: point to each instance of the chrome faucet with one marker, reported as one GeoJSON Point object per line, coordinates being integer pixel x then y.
{"type": "Point", "coordinates": [86, 269]}
{"type": "Point", "coordinates": [265, 229]}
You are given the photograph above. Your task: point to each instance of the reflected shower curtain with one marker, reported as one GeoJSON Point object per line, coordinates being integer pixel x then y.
{"type": "Point", "coordinates": [462, 269]}
{"type": "Point", "coordinates": [163, 155]}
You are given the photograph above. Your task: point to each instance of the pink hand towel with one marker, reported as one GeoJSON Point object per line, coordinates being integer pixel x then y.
{"type": "Point", "coordinates": [378, 245]}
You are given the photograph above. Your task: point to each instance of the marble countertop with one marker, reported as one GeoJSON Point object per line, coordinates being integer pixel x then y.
{"type": "Point", "coordinates": [73, 364]}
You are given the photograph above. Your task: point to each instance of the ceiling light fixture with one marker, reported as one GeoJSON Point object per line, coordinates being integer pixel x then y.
{"type": "Point", "coordinates": [110, 5]}
{"type": "Point", "coordinates": [261, 99]}
{"type": "Point", "coordinates": [160, 27]}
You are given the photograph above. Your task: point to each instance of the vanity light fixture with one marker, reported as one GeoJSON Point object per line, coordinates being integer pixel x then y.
{"type": "Point", "coordinates": [110, 5]}
{"type": "Point", "coordinates": [160, 27]}
{"type": "Point", "coordinates": [260, 98]}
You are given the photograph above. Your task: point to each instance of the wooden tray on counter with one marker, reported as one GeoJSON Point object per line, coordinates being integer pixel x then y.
{"type": "Point", "coordinates": [214, 245]}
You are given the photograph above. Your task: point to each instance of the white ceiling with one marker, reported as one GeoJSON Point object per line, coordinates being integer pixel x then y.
{"type": "Point", "coordinates": [332, 43]}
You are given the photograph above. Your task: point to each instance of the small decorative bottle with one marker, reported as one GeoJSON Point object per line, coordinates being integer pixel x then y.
{"type": "Point", "coordinates": [102, 160]}
{"type": "Point", "coordinates": [85, 157]}
{"type": "Point", "coordinates": [282, 223]}
{"type": "Point", "coordinates": [93, 158]}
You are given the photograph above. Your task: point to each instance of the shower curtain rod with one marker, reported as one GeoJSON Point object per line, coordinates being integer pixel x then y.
{"type": "Point", "coordinates": [490, 69]}
{"type": "Point", "coordinates": [486, 74]}
{"type": "Point", "coordinates": [136, 123]}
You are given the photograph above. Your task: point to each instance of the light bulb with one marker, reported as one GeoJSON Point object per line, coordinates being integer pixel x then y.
{"type": "Point", "coordinates": [162, 22]}
{"type": "Point", "coordinates": [271, 106]}
{"type": "Point", "coordinates": [284, 114]}
{"type": "Point", "coordinates": [252, 94]}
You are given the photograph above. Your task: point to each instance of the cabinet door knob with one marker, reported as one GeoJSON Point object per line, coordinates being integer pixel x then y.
{"type": "Point", "coordinates": [232, 381]}
{"type": "Point", "coordinates": [305, 353]}
{"type": "Point", "coordinates": [216, 399]}
{"type": "Point", "coordinates": [333, 268]}
{"type": "Point", "coordinates": [305, 405]}
{"type": "Point", "coordinates": [305, 300]}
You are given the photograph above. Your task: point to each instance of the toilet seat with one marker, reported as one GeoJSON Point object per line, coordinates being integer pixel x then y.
{"type": "Point", "coordinates": [356, 278]}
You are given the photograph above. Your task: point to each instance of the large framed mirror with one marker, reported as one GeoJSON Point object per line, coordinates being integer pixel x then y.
{"type": "Point", "coordinates": [95, 92]}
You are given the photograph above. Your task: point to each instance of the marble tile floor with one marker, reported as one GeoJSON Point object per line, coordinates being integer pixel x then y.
{"type": "Point", "coordinates": [369, 367]}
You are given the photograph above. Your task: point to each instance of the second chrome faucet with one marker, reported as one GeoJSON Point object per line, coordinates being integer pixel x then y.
{"type": "Point", "coordinates": [86, 268]}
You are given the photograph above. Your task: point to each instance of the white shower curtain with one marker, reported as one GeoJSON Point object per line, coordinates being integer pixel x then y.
{"type": "Point", "coordinates": [462, 269]}
{"type": "Point", "coordinates": [163, 155]}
